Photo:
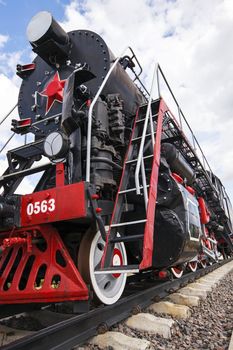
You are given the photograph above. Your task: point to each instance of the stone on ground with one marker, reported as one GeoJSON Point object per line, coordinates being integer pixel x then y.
{"type": "Point", "coordinates": [8, 334]}
{"type": "Point", "coordinates": [119, 341]}
{"type": "Point", "coordinates": [183, 299]}
{"type": "Point", "coordinates": [145, 322]}
{"type": "Point", "coordinates": [194, 292]}
{"type": "Point", "coordinates": [166, 307]}
{"type": "Point", "coordinates": [201, 286]}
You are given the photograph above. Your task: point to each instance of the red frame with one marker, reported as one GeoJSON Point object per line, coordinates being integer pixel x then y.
{"type": "Point", "coordinates": [149, 227]}
{"type": "Point", "coordinates": [70, 203]}
{"type": "Point", "coordinates": [71, 286]}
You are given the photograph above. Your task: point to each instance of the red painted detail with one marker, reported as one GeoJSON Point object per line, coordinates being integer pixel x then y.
{"type": "Point", "coordinates": [178, 178]}
{"type": "Point", "coordinates": [98, 210]}
{"type": "Point", "coordinates": [53, 91]}
{"type": "Point", "coordinates": [149, 227]}
{"type": "Point", "coordinates": [27, 67]}
{"type": "Point", "coordinates": [24, 122]}
{"type": "Point", "coordinates": [95, 196]}
{"type": "Point", "coordinates": [117, 252]}
{"type": "Point", "coordinates": [60, 174]}
{"type": "Point", "coordinates": [117, 196]}
{"type": "Point", "coordinates": [19, 126]}
{"type": "Point", "coordinates": [207, 243]}
{"type": "Point", "coordinates": [55, 204]}
{"type": "Point", "coordinates": [204, 213]}
{"type": "Point", "coordinates": [61, 281]}
{"type": "Point", "coordinates": [221, 241]}
{"type": "Point", "coordinates": [162, 274]}
{"type": "Point", "coordinates": [88, 103]}
{"type": "Point", "coordinates": [190, 190]}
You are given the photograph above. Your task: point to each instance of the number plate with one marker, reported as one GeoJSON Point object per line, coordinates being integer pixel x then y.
{"type": "Point", "coordinates": [41, 207]}
{"type": "Point", "coordinates": [56, 204]}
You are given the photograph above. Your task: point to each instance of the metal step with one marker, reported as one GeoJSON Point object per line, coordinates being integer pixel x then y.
{"type": "Point", "coordinates": [131, 189]}
{"type": "Point", "coordinates": [134, 160]}
{"type": "Point", "coordinates": [139, 138]}
{"type": "Point", "coordinates": [118, 269]}
{"type": "Point", "coordinates": [25, 172]}
{"type": "Point", "coordinates": [126, 238]}
{"type": "Point", "coordinates": [128, 223]}
{"type": "Point", "coordinates": [142, 120]}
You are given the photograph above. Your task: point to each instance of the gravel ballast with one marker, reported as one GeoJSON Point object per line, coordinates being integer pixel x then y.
{"type": "Point", "coordinates": [209, 327]}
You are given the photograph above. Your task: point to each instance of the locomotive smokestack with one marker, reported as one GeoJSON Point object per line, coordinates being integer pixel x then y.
{"type": "Point", "coordinates": [43, 27]}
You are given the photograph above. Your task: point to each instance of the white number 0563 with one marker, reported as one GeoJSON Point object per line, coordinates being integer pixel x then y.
{"type": "Point", "coordinates": [41, 207]}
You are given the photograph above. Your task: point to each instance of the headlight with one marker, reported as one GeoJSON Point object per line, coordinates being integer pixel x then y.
{"type": "Point", "coordinates": [56, 145]}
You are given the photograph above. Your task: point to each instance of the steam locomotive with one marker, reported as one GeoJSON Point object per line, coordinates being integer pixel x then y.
{"type": "Point", "coordinates": [120, 189]}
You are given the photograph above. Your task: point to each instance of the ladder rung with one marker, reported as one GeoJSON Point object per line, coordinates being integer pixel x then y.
{"type": "Point", "coordinates": [142, 120]}
{"type": "Point", "coordinates": [128, 223]}
{"type": "Point", "coordinates": [139, 138]}
{"type": "Point", "coordinates": [118, 269]}
{"type": "Point", "coordinates": [134, 160]}
{"type": "Point", "coordinates": [127, 238]}
{"type": "Point", "coordinates": [131, 190]}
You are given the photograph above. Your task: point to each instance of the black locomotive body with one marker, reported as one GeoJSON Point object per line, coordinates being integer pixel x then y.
{"type": "Point", "coordinates": [122, 190]}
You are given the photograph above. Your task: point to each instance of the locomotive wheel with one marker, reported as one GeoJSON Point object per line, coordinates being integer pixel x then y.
{"type": "Point", "coordinates": [203, 263]}
{"type": "Point", "coordinates": [177, 271]}
{"type": "Point", "coordinates": [192, 266]}
{"type": "Point", "coordinates": [107, 288]}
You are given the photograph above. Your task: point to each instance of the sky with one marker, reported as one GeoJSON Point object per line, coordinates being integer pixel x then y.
{"type": "Point", "coordinates": [191, 40]}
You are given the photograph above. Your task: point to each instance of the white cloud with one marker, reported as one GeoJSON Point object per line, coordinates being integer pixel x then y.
{"type": "Point", "coordinates": [192, 42]}
{"type": "Point", "coordinates": [3, 40]}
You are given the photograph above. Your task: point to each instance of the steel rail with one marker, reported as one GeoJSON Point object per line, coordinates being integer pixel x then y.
{"type": "Point", "coordinates": [78, 329]}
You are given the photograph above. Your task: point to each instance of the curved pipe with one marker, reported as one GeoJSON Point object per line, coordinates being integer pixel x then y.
{"type": "Point", "coordinates": [107, 161]}
{"type": "Point", "coordinates": [177, 162]}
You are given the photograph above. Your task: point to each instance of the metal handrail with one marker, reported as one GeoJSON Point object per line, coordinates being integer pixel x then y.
{"type": "Point", "coordinates": [140, 162]}
{"type": "Point", "coordinates": [3, 119]}
{"type": "Point", "coordinates": [9, 113]}
{"type": "Point", "coordinates": [6, 143]}
{"type": "Point", "coordinates": [182, 116]}
{"type": "Point", "coordinates": [89, 126]}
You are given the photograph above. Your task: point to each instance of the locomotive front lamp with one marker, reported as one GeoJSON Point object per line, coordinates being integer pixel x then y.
{"type": "Point", "coordinates": [56, 146]}
{"type": "Point", "coordinates": [43, 27]}
{"type": "Point", "coordinates": [48, 39]}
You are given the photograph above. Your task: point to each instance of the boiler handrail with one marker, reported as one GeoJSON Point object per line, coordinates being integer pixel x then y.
{"type": "Point", "coordinates": [140, 153]}
{"type": "Point", "coordinates": [89, 125]}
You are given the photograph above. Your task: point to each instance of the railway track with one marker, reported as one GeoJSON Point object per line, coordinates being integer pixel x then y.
{"type": "Point", "coordinates": [66, 334]}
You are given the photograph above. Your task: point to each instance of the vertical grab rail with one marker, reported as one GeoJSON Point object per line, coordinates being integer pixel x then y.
{"type": "Point", "coordinates": [89, 125]}
{"type": "Point", "coordinates": [140, 161]}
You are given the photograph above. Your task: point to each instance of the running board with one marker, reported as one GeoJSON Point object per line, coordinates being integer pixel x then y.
{"type": "Point", "coordinates": [129, 238]}
{"type": "Point", "coordinates": [118, 269]}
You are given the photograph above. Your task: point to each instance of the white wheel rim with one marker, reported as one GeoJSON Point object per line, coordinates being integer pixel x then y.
{"type": "Point", "coordinates": [203, 263]}
{"type": "Point", "coordinates": [176, 272]}
{"type": "Point", "coordinates": [192, 266]}
{"type": "Point", "coordinates": [108, 288]}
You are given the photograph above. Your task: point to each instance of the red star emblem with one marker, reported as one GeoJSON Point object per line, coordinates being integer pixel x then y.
{"type": "Point", "coordinates": [53, 91]}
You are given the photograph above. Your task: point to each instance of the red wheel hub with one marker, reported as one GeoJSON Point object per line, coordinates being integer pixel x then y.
{"type": "Point", "coordinates": [117, 260]}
